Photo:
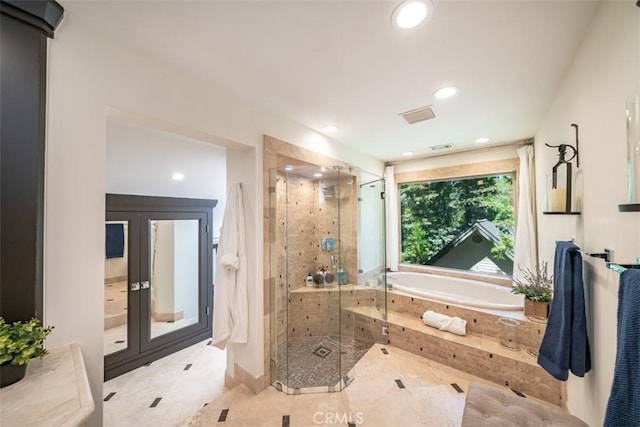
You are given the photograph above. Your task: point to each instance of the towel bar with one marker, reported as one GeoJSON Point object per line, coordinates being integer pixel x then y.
{"type": "Point", "coordinates": [606, 255]}
{"type": "Point", "coordinates": [619, 268]}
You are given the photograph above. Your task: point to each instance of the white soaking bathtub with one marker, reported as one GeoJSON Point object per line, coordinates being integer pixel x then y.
{"type": "Point", "coordinates": [453, 290]}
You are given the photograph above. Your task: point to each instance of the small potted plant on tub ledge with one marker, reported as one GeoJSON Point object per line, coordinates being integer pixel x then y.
{"type": "Point", "coordinates": [537, 287]}
{"type": "Point", "coordinates": [19, 343]}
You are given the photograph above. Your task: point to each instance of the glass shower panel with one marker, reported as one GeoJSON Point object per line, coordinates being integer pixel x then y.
{"type": "Point", "coordinates": [281, 280]}
{"type": "Point", "coordinates": [277, 278]}
{"type": "Point", "coordinates": [371, 255]}
{"type": "Point", "coordinates": [116, 279]}
{"type": "Point", "coordinates": [350, 348]}
{"type": "Point", "coordinates": [174, 275]}
{"type": "Point", "coordinates": [313, 270]}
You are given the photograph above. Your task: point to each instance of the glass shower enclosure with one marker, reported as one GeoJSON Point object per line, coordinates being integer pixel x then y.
{"type": "Point", "coordinates": [317, 329]}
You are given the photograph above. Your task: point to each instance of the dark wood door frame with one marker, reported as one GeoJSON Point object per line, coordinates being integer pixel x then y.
{"type": "Point", "coordinates": [147, 207]}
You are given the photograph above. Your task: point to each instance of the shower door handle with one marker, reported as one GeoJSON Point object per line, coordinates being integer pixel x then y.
{"type": "Point", "coordinates": [135, 286]}
{"type": "Point", "coordinates": [145, 284]}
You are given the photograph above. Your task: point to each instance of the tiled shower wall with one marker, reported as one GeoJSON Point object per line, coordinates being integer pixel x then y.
{"type": "Point", "coordinates": [302, 223]}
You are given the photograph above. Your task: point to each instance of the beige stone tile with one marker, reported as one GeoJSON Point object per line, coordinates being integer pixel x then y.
{"type": "Point", "coordinates": [273, 421]}
{"type": "Point", "coordinates": [268, 403]}
{"type": "Point", "coordinates": [333, 417]}
{"type": "Point", "coordinates": [318, 402]}
{"type": "Point", "coordinates": [180, 411]}
{"type": "Point", "coordinates": [416, 407]}
{"type": "Point", "coordinates": [427, 399]}
{"type": "Point", "coordinates": [124, 413]}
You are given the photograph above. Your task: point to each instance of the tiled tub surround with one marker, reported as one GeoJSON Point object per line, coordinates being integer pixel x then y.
{"type": "Point", "coordinates": [478, 353]}
{"type": "Point", "coordinates": [465, 292]}
{"type": "Point", "coordinates": [479, 321]}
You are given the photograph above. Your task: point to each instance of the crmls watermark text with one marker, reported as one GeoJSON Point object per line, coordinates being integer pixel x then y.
{"type": "Point", "coordinates": [338, 417]}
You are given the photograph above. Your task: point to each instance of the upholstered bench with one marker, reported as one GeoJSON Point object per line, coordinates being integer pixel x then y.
{"type": "Point", "coordinates": [490, 406]}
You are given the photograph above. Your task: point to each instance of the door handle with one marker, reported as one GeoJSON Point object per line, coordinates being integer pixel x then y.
{"type": "Point", "coordinates": [135, 286]}
{"type": "Point", "coordinates": [145, 284]}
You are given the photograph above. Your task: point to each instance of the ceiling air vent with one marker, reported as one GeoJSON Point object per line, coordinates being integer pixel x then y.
{"type": "Point", "coordinates": [418, 115]}
{"type": "Point", "coordinates": [441, 147]}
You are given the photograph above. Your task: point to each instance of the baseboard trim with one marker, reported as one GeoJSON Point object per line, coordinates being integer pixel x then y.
{"type": "Point", "coordinates": [167, 317]}
{"type": "Point", "coordinates": [241, 376]}
{"type": "Point", "coordinates": [116, 279]}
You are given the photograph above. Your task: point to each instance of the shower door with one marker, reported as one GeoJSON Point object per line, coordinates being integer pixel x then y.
{"type": "Point", "coordinates": [372, 244]}
{"type": "Point", "coordinates": [162, 300]}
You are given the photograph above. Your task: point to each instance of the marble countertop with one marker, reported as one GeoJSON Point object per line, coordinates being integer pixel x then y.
{"type": "Point", "coordinates": [54, 392]}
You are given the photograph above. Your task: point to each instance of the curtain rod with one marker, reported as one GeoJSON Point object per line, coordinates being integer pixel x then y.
{"type": "Point", "coordinates": [462, 150]}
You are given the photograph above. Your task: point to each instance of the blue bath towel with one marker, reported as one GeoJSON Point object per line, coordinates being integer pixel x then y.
{"type": "Point", "coordinates": [624, 403]}
{"type": "Point", "coordinates": [114, 241]}
{"type": "Point", "coordinates": [565, 345]}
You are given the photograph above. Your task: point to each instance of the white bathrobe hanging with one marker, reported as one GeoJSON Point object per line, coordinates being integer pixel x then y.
{"type": "Point", "coordinates": [230, 312]}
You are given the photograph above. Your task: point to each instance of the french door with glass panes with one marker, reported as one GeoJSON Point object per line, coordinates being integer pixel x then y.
{"type": "Point", "coordinates": [158, 278]}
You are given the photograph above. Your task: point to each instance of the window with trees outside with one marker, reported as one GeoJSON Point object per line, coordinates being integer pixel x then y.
{"type": "Point", "coordinates": [465, 224]}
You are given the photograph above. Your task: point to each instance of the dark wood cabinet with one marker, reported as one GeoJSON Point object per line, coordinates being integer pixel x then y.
{"type": "Point", "coordinates": [24, 28]}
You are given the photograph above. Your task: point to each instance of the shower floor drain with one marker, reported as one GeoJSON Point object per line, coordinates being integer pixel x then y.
{"type": "Point", "coordinates": [322, 351]}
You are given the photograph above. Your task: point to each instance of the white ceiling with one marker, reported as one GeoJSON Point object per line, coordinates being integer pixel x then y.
{"type": "Point", "coordinates": [342, 61]}
{"type": "Point", "coordinates": [141, 160]}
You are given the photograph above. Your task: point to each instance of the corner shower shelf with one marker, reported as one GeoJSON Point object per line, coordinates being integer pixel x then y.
{"type": "Point", "coordinates": [629, 207]}
{"type": "Point", "coordinates": [347, 287]}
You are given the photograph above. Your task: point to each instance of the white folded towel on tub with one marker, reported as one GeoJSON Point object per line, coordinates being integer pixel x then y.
{"type": "Point", "coordinates": [455, 325]}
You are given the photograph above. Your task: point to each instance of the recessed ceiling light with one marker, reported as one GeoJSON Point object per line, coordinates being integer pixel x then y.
{"type": "Point", "coordinates": [407, 153]}
{"type": "Point", "coordinates": [482, 140]}
{"type": "Point", "coordinates": [317, 175]}
{"type": "Point", "coordinates": [411, 13]}
{"type": "Point", "coordinates": [446, 92]}
{"type": "Point", "coordinates": [330, 127]}
{"type": "Point", "coordinates": [288, 168]}
{"type": "Point", "coordinates": [177, 176]}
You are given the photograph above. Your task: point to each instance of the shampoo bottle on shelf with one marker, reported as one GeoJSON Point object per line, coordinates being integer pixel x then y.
{"type": "Point", "coordinates": [309, 280]}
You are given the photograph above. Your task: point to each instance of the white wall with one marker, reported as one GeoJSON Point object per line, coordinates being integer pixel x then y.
{"type": "Point", "coordinates": [186, 268]}
{"type": "Point", "coordinates": [604, 72]}
{"type": "Point", "coordinates": [141, 160]}
{"type": "Point", "coordinates": [89, 77]}
{"type": "Point", "coordinates": [252, 353]}
{"type": "Point", "coordinates": [164, 268]}
{"type": "Point", "coordinates": [175, 268]}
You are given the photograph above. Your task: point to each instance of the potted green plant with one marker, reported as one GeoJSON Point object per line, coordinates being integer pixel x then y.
{"type": "Point", "coordinates": [537, 287]}
{"type": "Point", "coordinates": [19, 343]}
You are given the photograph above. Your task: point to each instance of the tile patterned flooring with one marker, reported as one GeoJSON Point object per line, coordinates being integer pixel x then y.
{"type": "Point", "coordinates": [391, 388]}
{"type": "Point", "coordinates": [115, 338]}
{"type": "Point", "coordinates": [115, 313]}
{"type": "Point", "coordinates": [168, 391]}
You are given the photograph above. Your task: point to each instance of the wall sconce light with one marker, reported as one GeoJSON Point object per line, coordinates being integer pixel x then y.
{"type": "Point", "coordinates": [561, 196]}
